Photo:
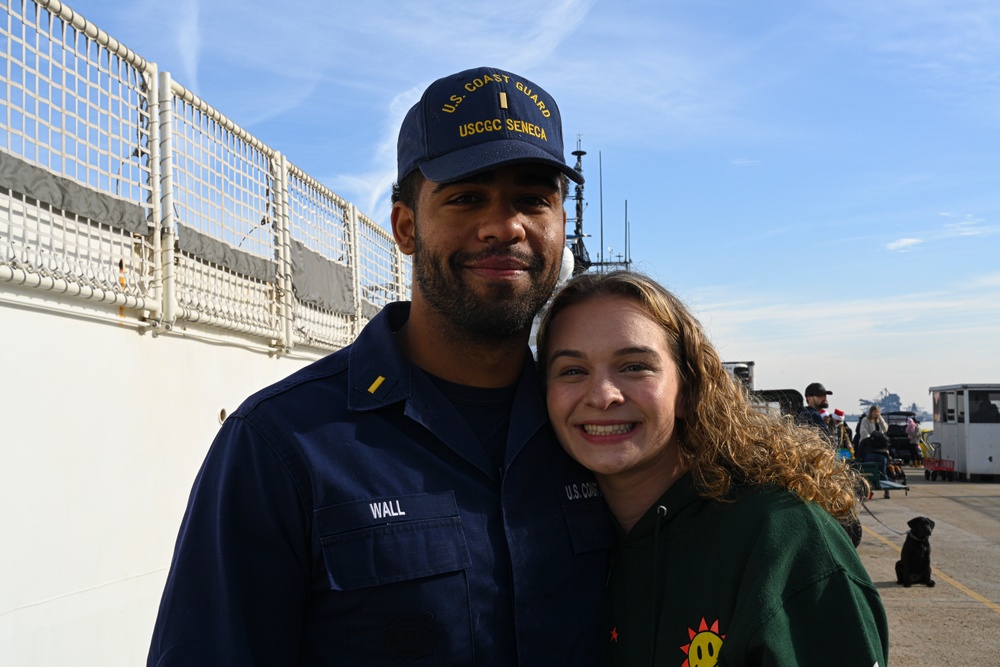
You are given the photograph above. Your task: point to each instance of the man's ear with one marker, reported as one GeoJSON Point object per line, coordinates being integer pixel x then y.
{"type": "Point", "coordinates": [403, 227]}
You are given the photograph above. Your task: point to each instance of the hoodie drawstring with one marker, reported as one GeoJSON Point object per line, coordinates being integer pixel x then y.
{"type": "Point", "coordinates": [657, 588]}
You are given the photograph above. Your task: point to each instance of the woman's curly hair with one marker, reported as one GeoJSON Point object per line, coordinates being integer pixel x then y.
{"type": "Point", "coordinates": [726, 439]}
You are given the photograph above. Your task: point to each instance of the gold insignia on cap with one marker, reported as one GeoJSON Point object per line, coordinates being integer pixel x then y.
{"type": "Point", "coordinates": [503, 100]}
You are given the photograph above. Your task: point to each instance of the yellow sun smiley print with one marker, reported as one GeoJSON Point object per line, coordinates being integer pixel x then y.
{"type": "Point", "coordinates": [706, 642]}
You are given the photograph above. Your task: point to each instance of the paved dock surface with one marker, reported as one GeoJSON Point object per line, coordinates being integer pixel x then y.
{"type": "Point", "coordinates": [958, 621]}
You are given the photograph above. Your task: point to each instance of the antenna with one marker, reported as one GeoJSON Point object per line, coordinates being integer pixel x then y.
{"type": "Point", "coordinates": [628, 238]}
{"type": "Point", "coordinates": [600, 181]}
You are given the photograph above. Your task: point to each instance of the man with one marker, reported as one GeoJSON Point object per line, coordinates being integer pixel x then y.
{"type": "Point", "coordinates": [403, 500]}
{"type": "Point", "coordinates": [808, 414]}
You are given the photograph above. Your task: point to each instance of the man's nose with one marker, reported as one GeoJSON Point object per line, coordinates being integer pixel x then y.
{"type": "Point", "coordinates": [502, 223]}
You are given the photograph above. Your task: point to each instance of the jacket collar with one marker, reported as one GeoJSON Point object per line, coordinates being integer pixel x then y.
{"type": "Point", "coordinates": [379, 375]}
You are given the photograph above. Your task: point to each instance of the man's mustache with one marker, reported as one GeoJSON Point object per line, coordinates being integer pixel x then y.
{"type": "Point", "coordinates": [532, 261]}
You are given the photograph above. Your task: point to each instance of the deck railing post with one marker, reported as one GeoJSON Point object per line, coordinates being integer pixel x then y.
{"type": "Point", "coordinates": [165, 114]}
{"type": "Point", "coordinates": [354, 239]}
{"type": "Point", "coordinates": [151, 77]}
{"type": "Point", "coordinates": [283, 239]}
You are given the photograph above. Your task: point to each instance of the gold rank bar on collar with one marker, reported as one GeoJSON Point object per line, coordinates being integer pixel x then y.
{"type": "Point", "coordinates": [377, 385]}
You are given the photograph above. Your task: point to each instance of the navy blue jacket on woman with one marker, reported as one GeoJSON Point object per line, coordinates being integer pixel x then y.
{"type": "Point", "coordinates": [348, 515]}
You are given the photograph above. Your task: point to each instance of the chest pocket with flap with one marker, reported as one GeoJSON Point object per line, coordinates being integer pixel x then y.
{"type": "Point", "coordinates": [385, 540]}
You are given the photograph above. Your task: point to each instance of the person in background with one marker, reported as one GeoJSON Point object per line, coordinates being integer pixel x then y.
{"type": "Point", "coordinates": [983, 410]}
{"type": "Point", "coordinates": [913, 437]}
{"type": "Point", "coordinates": [728, 548]}
{"type": "Point", "coordinates": [841, 433]}
{"type": "Point", "coordinates": [875, 449]}
{"type": "Point", "coordinates": [808, 414]}
{"type": "Point", "coordinates": [403, 501]}
{"type": "Point", "coordinates": [871, 422]}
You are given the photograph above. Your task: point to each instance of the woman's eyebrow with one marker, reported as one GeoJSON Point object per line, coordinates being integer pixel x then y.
{"type": "Point", "coordinates": [572, 354]}
{"type": "Point", "coordinates": [636, 349]}
{"type": "Point", "coordinates": [622, 352]}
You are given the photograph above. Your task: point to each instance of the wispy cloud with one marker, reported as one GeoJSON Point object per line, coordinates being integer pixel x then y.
{"type": "Point", "coordinates": [188, 38]}
{"type": "Point", "coordinates": [370, 189]}
{"type": "Point", "coordinates": [955, 227]}
{"type": "Point", "coordinates": [967, 225]}
{"type": "Point", "coordinates": [903, 245]}
{"type": "Point", "coordinates": [515, 35]}
{"type": "Point", "coordinates": [989, 280]}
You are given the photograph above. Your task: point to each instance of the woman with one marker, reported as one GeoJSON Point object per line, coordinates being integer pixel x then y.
{"type": "Point", "coordinates": [871, 422]}
{"type": "Point", "coordinates": [727, 546]}
{"type": "Point", "coordinates": [914, 438]}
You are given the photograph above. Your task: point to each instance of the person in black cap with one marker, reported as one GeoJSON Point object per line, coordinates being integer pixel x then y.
{"type": "Point", "coordinates": [808, 414]}
{"type": "Point", "coordinates": [403, 501]}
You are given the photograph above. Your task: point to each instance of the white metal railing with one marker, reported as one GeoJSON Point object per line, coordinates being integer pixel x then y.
{"type": "Point", "coordinates": [119, 186]}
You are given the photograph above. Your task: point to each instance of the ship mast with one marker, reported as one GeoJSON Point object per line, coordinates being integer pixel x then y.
{"type": "Point", "coordinates": [581, 258]}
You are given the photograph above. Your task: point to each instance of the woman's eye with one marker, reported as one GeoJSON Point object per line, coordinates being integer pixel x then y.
{"type": "Point", "coordinates": [635, 367]}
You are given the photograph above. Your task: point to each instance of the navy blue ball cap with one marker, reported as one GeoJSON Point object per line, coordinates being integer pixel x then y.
{"type": "Point", "coordinates": [477, 120]}
{"type": "Point", "coordinates": [817, 389]}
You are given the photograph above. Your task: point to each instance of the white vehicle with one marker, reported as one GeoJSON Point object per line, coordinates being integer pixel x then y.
{"type": "Point", "coordinates": [967, 428]}
{"type": "Point", "coordinates": [778, 401]}
{"type": "Point", "coordinates": [742, 371]}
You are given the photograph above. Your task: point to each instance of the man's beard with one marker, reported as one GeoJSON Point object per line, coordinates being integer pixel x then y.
{"type": "Point", "coordinates": [506, 311]}
{"type": "Point", "coordinates": [824, 404]}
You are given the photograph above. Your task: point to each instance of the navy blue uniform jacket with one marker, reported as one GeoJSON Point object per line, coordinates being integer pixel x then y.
{"type": "Point", "coordinates": [348, 515]}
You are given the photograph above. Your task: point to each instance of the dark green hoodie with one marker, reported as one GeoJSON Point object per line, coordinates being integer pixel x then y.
{"type": "Point", "coordinates": [765, 580]}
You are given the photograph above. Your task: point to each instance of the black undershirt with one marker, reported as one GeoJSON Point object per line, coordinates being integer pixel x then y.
{"type": "Point", "coordinates": [487, 411]}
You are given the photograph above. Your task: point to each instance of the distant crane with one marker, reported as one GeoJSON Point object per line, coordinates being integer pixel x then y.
{"type": "Point", "coordinates": [886, 402]}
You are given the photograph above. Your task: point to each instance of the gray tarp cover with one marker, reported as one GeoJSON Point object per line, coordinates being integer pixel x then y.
{"type": "Point", "coordinates": [319, 281]}
{"type": "Point", "coordinates": [66, 195]}
{"type": "Point", "coordinates": [205, 247]}
{"type": "Point", "coordinates": [315, 279]}
{"type": "Point", "coordinates": [369, 309]}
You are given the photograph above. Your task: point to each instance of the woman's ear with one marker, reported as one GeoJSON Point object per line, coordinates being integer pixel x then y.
{"type": "Point", "coordinates": [403, 227]}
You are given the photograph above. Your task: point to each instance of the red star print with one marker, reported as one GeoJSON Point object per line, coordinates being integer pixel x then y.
{"type": "Point", "coordinates": [614, 634]}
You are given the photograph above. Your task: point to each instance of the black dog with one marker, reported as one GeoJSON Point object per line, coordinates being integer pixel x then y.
{"type": "Point", "coordinates": [914, 565]}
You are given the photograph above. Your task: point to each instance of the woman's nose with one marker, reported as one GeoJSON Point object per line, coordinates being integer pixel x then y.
{"type": "Point", "coordinates": [603, 393]}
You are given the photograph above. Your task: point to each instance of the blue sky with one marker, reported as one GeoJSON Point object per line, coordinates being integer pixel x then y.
{"type": "Point", "coordinates": [819, 180]}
